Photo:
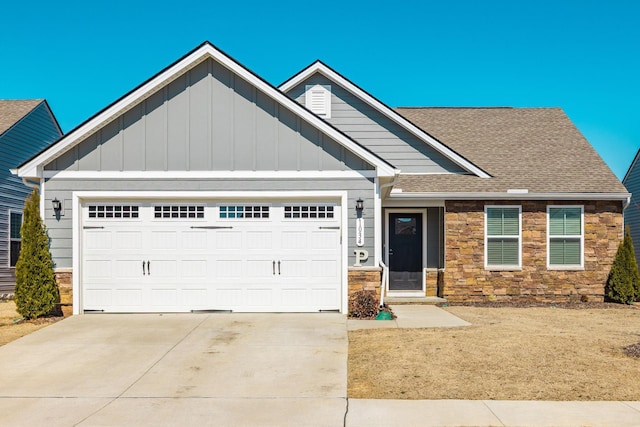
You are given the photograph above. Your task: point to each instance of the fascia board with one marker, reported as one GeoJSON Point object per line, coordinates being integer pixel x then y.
{"type": "Point", "coordinates": [509, 196]}
{"type": "Point", "coordinates": [30, 169]}
{"type": "Point", "coordinates": [319, 67]}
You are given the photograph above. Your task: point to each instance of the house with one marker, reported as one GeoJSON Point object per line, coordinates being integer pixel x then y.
{"type": "Point", "coordinates": [631, 181]}
{"type": "Point", "coordinates": [207, 188]}
{"type": "Point", "coordinates": [26, 127]}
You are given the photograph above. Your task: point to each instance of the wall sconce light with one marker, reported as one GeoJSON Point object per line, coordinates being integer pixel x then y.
{"type": "Point", "coordinates": [359, 205]}
{"type": "Point", "coordinates": [57, 205]}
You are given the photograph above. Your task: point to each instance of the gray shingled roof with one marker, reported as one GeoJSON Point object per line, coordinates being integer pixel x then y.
{"type": "Point", "coordinates": [11, 111]}
{"type": "Point", "coordinates": [538, 149]}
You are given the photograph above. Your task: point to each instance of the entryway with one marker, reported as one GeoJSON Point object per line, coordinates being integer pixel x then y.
{"type": "Point", "coordinates": [406, 251]}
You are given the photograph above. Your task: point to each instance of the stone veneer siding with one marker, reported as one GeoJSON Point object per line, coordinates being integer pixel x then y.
{"type": "Point", "coordinates": [64, 279]}
{"type": "Point", "coordinates": [466, 279]}
{"type": "Point", "coordinates": [365, 278]}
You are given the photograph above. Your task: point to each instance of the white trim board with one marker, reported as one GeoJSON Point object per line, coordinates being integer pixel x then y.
{"type": "Point", "coordinates": [330, 174]}
{"type": "Point", "coordinates": [33, 167]}
{"type": "Point", "coordinates": [319, 67]}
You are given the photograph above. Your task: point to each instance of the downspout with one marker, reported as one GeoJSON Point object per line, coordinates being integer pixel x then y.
{"type": "Point", "coordinates": [385, 270]}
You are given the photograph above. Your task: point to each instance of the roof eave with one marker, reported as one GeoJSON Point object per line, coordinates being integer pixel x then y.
{"type": "Point", "coordinates": [320, 67]}
{"type": "Point", "coordinates": [506, 196]}
{"type": "Point", "coordinates": [33, 167]}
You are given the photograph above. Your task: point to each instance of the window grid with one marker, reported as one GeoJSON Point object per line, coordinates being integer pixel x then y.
{"type": "Point", "coordinates": [503, 237]}
{"type": "Point", "coordinates": [308, 212]}
{"type": "Point", "coordinates": [178, 212]}
{"type": "Point", "coordinates": [243, 211]}
{"type": "Point", "coordinates": [113, 211]}
{"type": "Point", "coordinates": [565, 236]}
{"type": "Point", "coordinates": [15, 243]}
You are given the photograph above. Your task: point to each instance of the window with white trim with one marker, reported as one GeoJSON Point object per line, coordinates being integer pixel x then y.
{"type": "Point", "coordinates": [112, 211]}
{"type": "Point", "coordinates": [308, 212]}
{"type": "Point", "coordinates": [243, 211]}
{"type": "Point", "coordinates": [317, 98]}
{"type": "Point", "coordinates": [15, 239]}
{"type": "Point", "coordinates": [503, 237]}
{"type": "Point", "coordinates": [565, 236]}
{"type": "Point", "coordinates": [178, 212]}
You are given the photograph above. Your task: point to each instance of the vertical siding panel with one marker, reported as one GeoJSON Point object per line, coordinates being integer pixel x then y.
{"type": "Point", "coordinates": [199, 118]}
{"type": "Point", "coordinates": [287, 141]}
{"type": "Point", "coordinates": [155, 132]}
{"type": "Point", "coordinates": [111, 147]}
{"type": "Point", "coordinates": [221, 117]}
{"type": "Point", "coordinates": [88, 154]}
{"type": "Point", "coordinates": [177, 115]}
{"type": "Point", "coordinates": [308, 146]}
{"type": "Point", "coordinates": [244, 126]}
{"type": "Point", "coordinates": [265, 132]}
{"type": "Point", "coordinates": [133, 139]}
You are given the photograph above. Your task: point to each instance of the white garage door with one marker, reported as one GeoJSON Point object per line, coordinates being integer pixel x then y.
{"type": "Point", "coordinates": [183, 256]}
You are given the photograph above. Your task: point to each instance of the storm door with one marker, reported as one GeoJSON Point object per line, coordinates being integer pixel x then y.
{"type": "Point", "coordinates": [405, 251]}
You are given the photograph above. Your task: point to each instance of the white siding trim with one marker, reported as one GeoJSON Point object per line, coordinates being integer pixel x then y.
{"type": "Point", "coordinates": [33, 167]}
{"type": "Point", "coordinates": [318, 67]}
{"type": "Point", "coordinates": [209, 174]}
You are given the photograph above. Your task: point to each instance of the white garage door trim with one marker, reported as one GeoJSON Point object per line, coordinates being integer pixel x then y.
{"type": "Point", "coordinates": [80, 197]}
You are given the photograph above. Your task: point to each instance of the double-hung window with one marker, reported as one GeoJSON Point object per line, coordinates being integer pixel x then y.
{"type": "Point", "coordinates": [15, 222]}
{"type": "Point", "coordinates": [565, 236]}
{"type": "Point", "coordinates": [503, 237]}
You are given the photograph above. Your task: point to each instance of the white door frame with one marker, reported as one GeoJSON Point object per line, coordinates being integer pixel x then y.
{"type": "Point", "coordinates": [422, 211]}
{"type": "Point", "coordinates": [80, 197]}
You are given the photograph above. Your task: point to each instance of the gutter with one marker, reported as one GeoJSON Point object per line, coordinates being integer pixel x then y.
{"type": "Point", "coordinates": [399, 195]}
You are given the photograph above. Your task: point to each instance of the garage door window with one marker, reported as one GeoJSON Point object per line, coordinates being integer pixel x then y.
{"type": "Point", "coordinates": [243, 211]}
{"type": "Point", "coordinates": [308, 212]}
{"type": "Point", "coordinates": [113, 211]}
{"type": "Point", "coordinates": [178, 212]}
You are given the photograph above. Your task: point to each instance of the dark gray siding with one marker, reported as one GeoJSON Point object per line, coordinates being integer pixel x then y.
{"type": "Point", "coordinates": [378, 133]}
{"type": "Point", "coordinates": [632, 213]}
{"type": "Point", "coordinates": [60, 230]}
{"type": "Point", "coordinates": [31, 134]}
{"type": "Point", "coordinates": [208, 119]}
{"type": "Point", "coordinates": [435, 237]}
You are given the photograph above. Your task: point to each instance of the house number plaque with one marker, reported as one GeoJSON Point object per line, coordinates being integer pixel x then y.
{"type": "Point", "coordinates": [360, 232]}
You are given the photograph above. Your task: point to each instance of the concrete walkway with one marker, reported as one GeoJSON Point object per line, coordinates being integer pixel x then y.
{"type": "Point", "coordinates": [411, 316]}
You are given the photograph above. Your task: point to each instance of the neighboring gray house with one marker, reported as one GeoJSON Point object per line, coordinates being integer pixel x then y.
{"type": "Point", "coordinates": [632, 214]}
{"type": "Point", "coordinates": [26, 127]}
{"type": "Point", "coordinates": [208, 188]}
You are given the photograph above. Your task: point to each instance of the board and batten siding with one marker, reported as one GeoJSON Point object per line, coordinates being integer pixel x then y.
{"type": "Point", "coordinates": [208, 119]}
{"type": "Point", "coordinates": [632, 212]}
{"type": "Point", "coordinates": [60, 229]}
{"type": "Point", "coordinates": [35, 131]}
{"type": "Point", "coordinates": [376, 132]}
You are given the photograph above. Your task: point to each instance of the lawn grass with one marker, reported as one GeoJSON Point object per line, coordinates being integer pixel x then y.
{"type": "Point", "coordinates": [11, 325]}
{"type": "Point", "coordinates": [507, 354]}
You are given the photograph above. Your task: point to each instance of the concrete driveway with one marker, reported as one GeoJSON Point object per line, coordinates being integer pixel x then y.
{"type": "Point", "coordinates": [178, 369]}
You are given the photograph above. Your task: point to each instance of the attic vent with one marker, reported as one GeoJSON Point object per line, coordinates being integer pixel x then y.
{"type": "Point", "coordinates": [318, 99]}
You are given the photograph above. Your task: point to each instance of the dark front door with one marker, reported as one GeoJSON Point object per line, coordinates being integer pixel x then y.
{"type": "Point", "coordinates": [405, 252]}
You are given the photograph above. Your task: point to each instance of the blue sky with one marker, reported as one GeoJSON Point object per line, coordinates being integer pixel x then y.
{"type": "Point", "coordinates": [582, 56]}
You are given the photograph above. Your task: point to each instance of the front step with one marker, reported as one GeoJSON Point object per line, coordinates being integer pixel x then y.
{"type": "Point", "coordinates": [414, 300]}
